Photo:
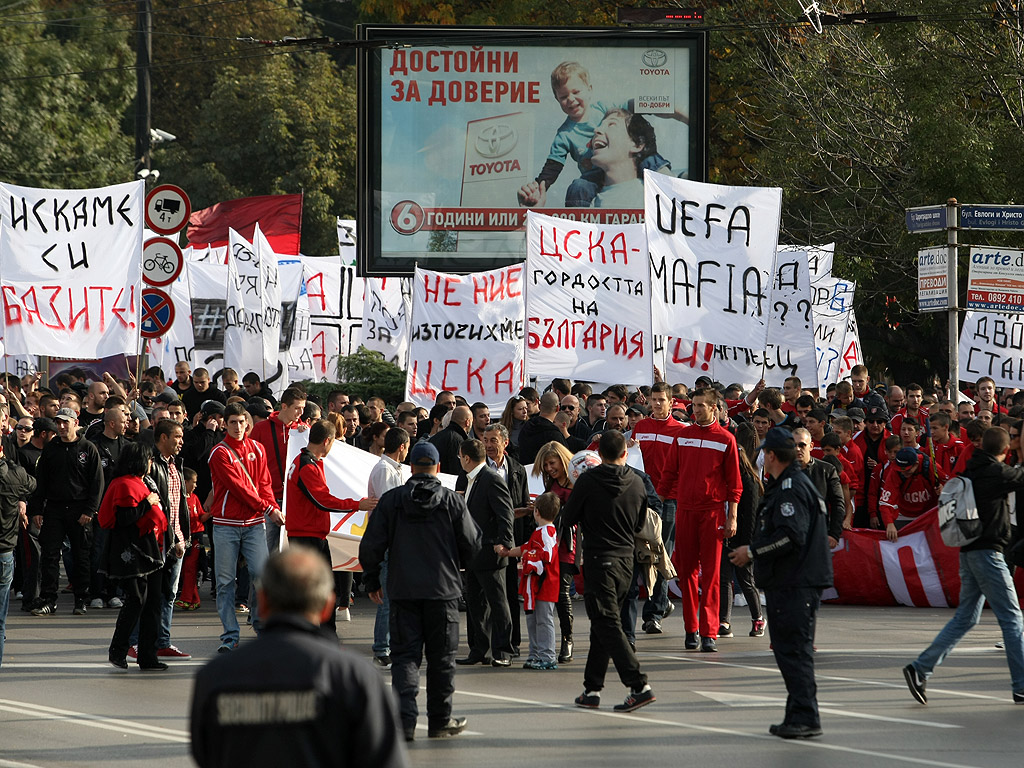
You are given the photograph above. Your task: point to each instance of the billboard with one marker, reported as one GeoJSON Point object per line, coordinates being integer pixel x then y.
{"type": "Point", "coordinates": [465, 129]}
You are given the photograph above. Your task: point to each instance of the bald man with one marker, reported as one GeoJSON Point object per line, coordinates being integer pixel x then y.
{"type": "Point", "coordinates": [450, 439]}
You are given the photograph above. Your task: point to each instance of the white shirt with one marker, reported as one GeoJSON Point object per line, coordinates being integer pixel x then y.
{"type": "Point", "coordinates": [472, 475]}
{"type": "Point", "coordinates": [502, 470]}
{"type": "Point", "coordinates": [385, 475]}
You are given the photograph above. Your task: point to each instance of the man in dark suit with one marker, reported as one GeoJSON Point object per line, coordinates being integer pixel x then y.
{"type": "Point", "coordinates": [495, 439]}
{"type": "Point", "coordinates": [490, 505]}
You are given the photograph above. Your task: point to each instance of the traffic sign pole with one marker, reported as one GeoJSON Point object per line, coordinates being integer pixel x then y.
{"type": "Point", "coordinates": [952, 264]}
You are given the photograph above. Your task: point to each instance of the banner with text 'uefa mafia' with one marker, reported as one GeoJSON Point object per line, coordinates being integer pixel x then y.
{"type": "Point", "coordinates": [466, 131]}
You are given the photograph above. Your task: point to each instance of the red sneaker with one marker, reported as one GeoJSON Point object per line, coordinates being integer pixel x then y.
{"type": "Point", "coordinates": [172, 652]}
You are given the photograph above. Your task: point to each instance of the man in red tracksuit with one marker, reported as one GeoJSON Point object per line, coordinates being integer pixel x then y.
{"type": "Point", "coordinates": [908, 490]}
{"type": "Point", "coordinates": [242, 499]}
{"type": "Point", "coordinates": [310, 501]}
{"type": "Point", "coordinates": [272, 434]}
{"type": "Point", "coordinates": [656, 436]}
{"type": "Point", "coordinates": [708, 487]}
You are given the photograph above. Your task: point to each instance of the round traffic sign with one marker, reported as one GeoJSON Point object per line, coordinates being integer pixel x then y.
{"type": "Point", "coordinates": [167, 209]}
{"type": "Point", "coordinates": [162, 261]}
{"type": "Point", "coordinates": [157, 313]}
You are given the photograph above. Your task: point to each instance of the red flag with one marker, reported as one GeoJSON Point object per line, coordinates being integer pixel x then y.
{"type": "Point", "coordinates": [279, 217]}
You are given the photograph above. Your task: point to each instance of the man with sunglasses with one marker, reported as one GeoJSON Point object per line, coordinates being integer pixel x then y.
{"type": "Point", "coordinates": [577, 426]}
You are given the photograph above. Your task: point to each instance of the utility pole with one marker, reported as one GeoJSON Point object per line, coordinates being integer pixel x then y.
{"type": "Point", "coordinates": [952, 286]}
{"type": "Point", "coordinates": [143, 92]}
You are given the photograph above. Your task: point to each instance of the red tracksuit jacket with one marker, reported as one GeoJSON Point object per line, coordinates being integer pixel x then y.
{"type": "Point", "coordinates": [706, 471]}
{"type": "Point", "coordinates": [310, 501]}
{"type": "Point", "coordinates": [657, 439]}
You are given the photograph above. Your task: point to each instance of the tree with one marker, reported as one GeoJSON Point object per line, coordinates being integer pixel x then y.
{"type": "Point", "coordinates": [64, 87]}
{"type": "Point", "coordinates": [287, 127]}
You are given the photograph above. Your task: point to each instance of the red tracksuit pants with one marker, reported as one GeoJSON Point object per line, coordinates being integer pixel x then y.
{"type": "Point", "coordinates": [697, 558]}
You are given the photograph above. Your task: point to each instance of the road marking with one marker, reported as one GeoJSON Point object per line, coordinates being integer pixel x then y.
{"type": "Point", "coordinates": [818, 676]}
{"type": "Point", "coordinates": [15, 764]}
{"type": "Point", "coordinates": [88, 665]}
{"type": "Point", "coordinates": [643, 719]}
{"type": "Point", "coordinates": [95, 721]}
{"type": "Point", "coordinates": [747, 700]}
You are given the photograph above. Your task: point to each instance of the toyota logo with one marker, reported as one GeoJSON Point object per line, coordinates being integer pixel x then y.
{"type": "Point", "coordinates": [654, 58]}
{"type": "Point", "coordinates": [496, 140]}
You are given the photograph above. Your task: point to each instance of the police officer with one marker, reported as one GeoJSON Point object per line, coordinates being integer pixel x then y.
{"type": "Point", "coordinates": [792, 564]}
{"type": "Point", "coordinates": [293, 697]}
{"type": "Point", "coordinates": [427, 532]}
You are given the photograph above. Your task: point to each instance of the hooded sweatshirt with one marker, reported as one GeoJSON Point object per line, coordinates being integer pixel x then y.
{"type": "Point", "coordinates": [610, 503]}
{"type": "Point", "coordinates": [428, 534]}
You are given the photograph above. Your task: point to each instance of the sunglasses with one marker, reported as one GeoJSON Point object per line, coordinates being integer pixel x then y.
{"type": "Point", "coordinates": [24, 429]}
{"type": "Point", "coordinates": [801, 445]}
{"type": "Point", "coordinates": [568, 408]}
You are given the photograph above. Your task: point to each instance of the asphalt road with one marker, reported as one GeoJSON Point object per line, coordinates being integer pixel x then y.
{"type": "Point", "coordinates": [61, 704]}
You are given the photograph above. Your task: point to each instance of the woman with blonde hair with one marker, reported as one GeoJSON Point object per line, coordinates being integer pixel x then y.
{"type": "Point", "coordinates": [552, 464]}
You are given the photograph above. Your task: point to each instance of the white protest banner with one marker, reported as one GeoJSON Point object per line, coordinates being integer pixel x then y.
{"type": "Point", "coordinates": [852, 353]}
{"type": "Point", "coordinates": [386, 307]}
{"type": "Point", "coordinates": [712, 251]}
{"type": "Point", "coordinates": [819, 259]}
{"type": "Point", "coordinates": [178, 344]}
{"type": "Point", "coordinates": [70, 269]}
{"type": "Point", "coordinates": [833, 302]}
{"type": "Point", "coordinates": [992, 345]}
{"type": "Point", "coordinates": [243, 333]}
{"type": "Point", "coordinates": [467, 336]}
{"type": "Point", "coordinates": [269, 289]}
{"type": "Point", "coordinates": [207, 254]}
{"type": "Point", "coordinates": [335, 294]}
{"type": "Point", "coordinates": [347, 472]}
{"type": "Point", "coordinates": [208, 287]}
{"type": "Point", "coordinates": [588, 300]}
{"type": "Point", "coordinates": [347, 240]}
{"type": "Point", "coordinates": [295, 328]}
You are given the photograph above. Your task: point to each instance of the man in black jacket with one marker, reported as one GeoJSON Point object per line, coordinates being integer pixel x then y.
{"type": "Point", "coordinates": [70, 485]}
{"type": "Point", "coordinates": [540, 430]}
{"type": "Point", "coordinates": [826, 482]}
{"type": "Point", "coordinates": [792, 565]}
{"type": "Point", "coordinates": [487, 611]}
{"type": "Point", "coordinates": [428, 533]}
{"type": "Point", "coordinates": [16, 485]}
{"type": "Point", "coordinates": [514, 474]}
{"type": "Point", "coordinates": [983, 572]}
{"type": "Point", "coordinates": [450, 439]}
{"type": "Point", "coordinates": [293, 697]}
{"type": "Point", "coordinates": [610, 505]}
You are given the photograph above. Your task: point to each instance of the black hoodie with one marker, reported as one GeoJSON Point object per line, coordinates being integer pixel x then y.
{"type": "Point", "coordinates": [610, 503]}
{"type": "Point", "coordinates": [427, 532]}
{"type": "Point", "coordinates": [535, 434]}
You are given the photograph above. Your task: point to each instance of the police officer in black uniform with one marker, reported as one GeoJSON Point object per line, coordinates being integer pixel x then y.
{"type": "Point", "coordinates": [293, 697]}
{"type": "Point", "coordinates": [428, 532]}
{"type": "Point", "coordinates": [792, 564]}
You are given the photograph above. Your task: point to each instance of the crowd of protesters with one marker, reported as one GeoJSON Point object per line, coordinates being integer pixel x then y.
{"type": "Point", "coordinates": [146, 489]}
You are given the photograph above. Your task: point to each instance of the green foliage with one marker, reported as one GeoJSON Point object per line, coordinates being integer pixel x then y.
{"type": "Point", "coordinates": [365, 374]}
{"type": "Point", "coordinates": [63, 130]}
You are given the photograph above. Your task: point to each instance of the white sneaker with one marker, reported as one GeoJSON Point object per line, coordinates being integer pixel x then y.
{"type": "Point", "coordinates": [115, 602]}
{"type": "Point", "coordinates": [344, 615]}
{"type": "Point", "coordinates": [96, 603]}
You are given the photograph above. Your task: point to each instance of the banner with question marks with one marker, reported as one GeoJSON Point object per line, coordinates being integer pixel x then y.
{"type": "Point", "coordinates": [832, 299]}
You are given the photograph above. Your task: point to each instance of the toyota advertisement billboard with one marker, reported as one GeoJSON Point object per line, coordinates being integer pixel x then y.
{"type": "Point", "coordinates": [463, 130]}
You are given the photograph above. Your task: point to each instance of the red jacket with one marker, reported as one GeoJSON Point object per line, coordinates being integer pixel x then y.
{"type": "Point", "coordinates": [540, 579]}
{"type": "Point", "coordinates": [706, 471]}
{"type": "Point", "coordinates": [240, 499]}
{"type": "Point", "coordinates": [310, 501]}
{"type": "Point", "coordinates": [907, 498]}
{"type": "Point", "coordinates": [947, 456]}
{"type": "Point", "coordinates": [273, 436]}
{"type": "Point", "coordinates": [657, 439]}
{"type": "Point", "coordinates": [897, 420]}
{"type": "Point", "coordinates": [859, 480]}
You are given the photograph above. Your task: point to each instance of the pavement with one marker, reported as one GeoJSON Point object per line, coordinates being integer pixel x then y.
{"type": "Point", "coordinates": [61, 704]}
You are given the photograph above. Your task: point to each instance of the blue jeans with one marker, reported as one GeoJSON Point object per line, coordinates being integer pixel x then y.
{"type": "Point", "coordinates": [6, 577]}
{"type": "Point", "coordinates": [229, 540]}
{"type": "Point", "coordinates": [382, 623]}
{"type": "Point", "coordinates": [983, 575]}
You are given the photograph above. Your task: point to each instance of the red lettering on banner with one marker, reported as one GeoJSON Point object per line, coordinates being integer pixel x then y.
{"type": "Point", "coordinates": [436, 293]}
{"type": "Point", "coordinates": [318, 279]}
{"type": "Point", "coordinates": [320, 356]}
{"type": "Point", "coordinates": [509, 370]}
{"type": "Point", "coordinates": [426, 389]}
{"type": "Point", "coordinates": [487, 288]}
{"type": "Point", "coordinates": [444, 377]}
{"type": "Point", "coordinates": [12, 312]}
{"type": "Point", "coordinates": [475, 374]}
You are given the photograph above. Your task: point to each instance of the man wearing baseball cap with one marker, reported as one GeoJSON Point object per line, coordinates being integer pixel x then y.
{"type": "Point", "coordinates": [427, 532]}
{"type": "Point", "coordinates": [908, 490]}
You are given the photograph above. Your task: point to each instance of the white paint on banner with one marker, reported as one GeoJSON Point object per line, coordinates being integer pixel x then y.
{"type": "Point", "coordinates": [992, 345]}
{"type": "Point", "coordinates": [467, 336]}
{"type": "Point", "coordinates": [347, 240]}
{"type": "Point", "coordinates": [335, 296]}
{"type": "Point", "coordinates": [268, 287]}
{"type": "Point", "coordinates": [819, 259]}
{"type": "Point", "coordinates": [588, 302]}
{"type": "Point", "coordinates": [243, 332]}
{"type": "Point", "coordinates": [833, 302]}
{"type": "Point", "coordinates": [852, 354]}
{"type": "Point", "coordinates": [712, 251]}
{"type": "Point", "coordinates": [70, 269]}
{"type": "Point", "coordinates": [208, 287]}
{"type": "Point", "coordinates": [178, 344]}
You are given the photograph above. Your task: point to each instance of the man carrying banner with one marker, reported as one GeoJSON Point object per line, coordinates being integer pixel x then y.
{"type": "Point", "coordinates": [310, 501]}
{"type": "Point", "coordinates": [705, 473]}
{"type": "Point", "coordinates": [427, 531]}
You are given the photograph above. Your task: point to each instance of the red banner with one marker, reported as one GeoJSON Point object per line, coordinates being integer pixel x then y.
{"type": "Point", "coordinates": [918, 569]}
{"type": "Point", "coordinates": [279, 217]}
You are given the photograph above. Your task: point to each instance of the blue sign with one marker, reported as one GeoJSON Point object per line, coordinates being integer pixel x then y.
{"type": "Point", "coordinates": [930, 218]}
{"type": "Point", "coordinates": [157, 313]}
{"type": "Point", "coordinates": [992, 217]}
